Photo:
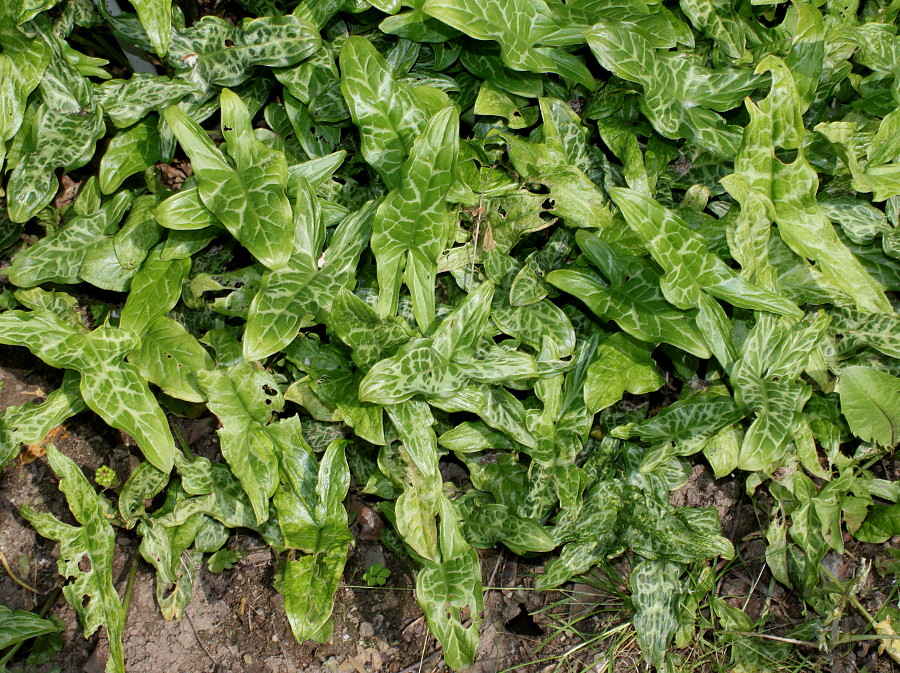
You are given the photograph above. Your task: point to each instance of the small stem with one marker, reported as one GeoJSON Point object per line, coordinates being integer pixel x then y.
{"type": "Point", "coordinates": [13, 575]}
{"type": "Point", "coordinates": [48, 602]}
{"type": "Point", "coordinates": [182, 442]}
{"type": "Point", "coordinates": [780, 639]}
{"type": "Point", "coordinates": [853, 600]}
{"type": "Point", "coordinates": [129, 585]}
{"type": "Point", "coordinates": [479, 215]}
{"type": "Point", "coordinates": [860, 638]}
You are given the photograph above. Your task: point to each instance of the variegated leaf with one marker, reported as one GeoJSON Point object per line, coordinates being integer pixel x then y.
{"type": "Point", "coordinates": [303, 291]}
{"type": "Point", "coordinates": [216, 52]}
{"type": "Point", "coordinates": [131, 151]}
{"type": "Point", "coordinates": [691, 268]}
{"type": "Point", "coordinates": [169, 357]}
{"type": "Point", "coordinates": [58, 140]}
{"type": "Point", "coordinates": [109, 386]}
{"type": "Point", "coordinates": [127, 101]}
{"type": "Point", "coordinates": [635, 306]}
{"type": "Point", "coordinates": [389, 114]}
{"type": "Point", "coordinates": [244, 398]}
{"type": "Point", "coordinates": [248, 195]}
{"type": "Point", "coordinates": [30, 423]}
{"type": "Point", "coordinates": [410, 228]}
{"type": "Point", "coordinates": [655, 594]}
{"type": "Point", "coordinates": [90, 592]}
{"type": "Point", "coordinates": [57, 258]}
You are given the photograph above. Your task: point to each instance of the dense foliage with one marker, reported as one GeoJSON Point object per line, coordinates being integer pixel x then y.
{"type": "Point", "coordinates": [565, 244]}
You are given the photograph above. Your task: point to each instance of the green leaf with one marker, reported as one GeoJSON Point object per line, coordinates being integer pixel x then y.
{"type": "Point", "coordinates": [101, 267]}
{"type": "Point", "coordinates": [620, 365]}
{"type": "Point", "coordinates": [219, 495]}
{"type": "Point", "coordinates": [63, 305]}
{"type": "Point", "coordinates": [156, 18]}
{"type": "Point", "coordinates": [870, 401]}
{"type": "Point", "coordinates": [566, 135]}
{"type": "Point", "coordinates": [460, 332]}
{"type": "Point", "coordinates": [184, 211]}
{"type": "Point", "coordinates": [230, 293]}
{"type": "Point", "coordinates": [809, 233]}
{"type": "Point", "coordinates": [418, 368]}
{"type": "Point", "coordinates": [332, 379]}
{"type": "Point", "coordinates": [90, 592]}
{"type": "Point", "coordinates": [655, 594]}
{"type": "Point", "coordinates": [17, 626]}
{"type": "Point", "coordinates": [244, 398]}
{"type": "Point", "coordinates": [140, 233]}
{"type": "Point", "coordinates": [57, 140]}
{"type": "Point", "coordinates": [248, 195]}
{"type": "Point", "coordinates": [224, 559]}
{"type": "Point", "coordinates": [389, 114]}
{"type": "Point", "coordinates": [487, 65]}
{"type": "Point", "coordinates": [377, 575]}
{"type": "Point", "coordinates": [881, 524]}
{"type": "Point", "coordinates": [493, 101]}
{"type": "Point", "coordinates": [656, 530]}
{"type": "Point", "coordinates": [807, 56]}
{"type": "Point", "coordinates": [109, 386]}
{"type": "Point", "coordinates": [131, 151]}
{"type": "Point", "coordinates": [302, 292]}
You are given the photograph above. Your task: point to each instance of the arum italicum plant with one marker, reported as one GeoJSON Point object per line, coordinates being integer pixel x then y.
{"type": "Point", "coordinates": [460, 231]}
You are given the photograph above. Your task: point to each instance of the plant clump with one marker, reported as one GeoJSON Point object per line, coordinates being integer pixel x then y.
{"type": "Point", "coordinates": [569, 246]}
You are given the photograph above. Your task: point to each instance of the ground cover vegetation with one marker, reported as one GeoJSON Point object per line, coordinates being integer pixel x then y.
{"type": "Point", "coordinates": [568, 245]}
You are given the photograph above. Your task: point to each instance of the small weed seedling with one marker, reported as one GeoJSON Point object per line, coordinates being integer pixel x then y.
{"type": "Point", "coordinates": [377, 575]}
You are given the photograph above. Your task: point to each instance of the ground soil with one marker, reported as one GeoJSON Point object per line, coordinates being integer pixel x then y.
{"type": "Point", "coordinates": [235, 621]}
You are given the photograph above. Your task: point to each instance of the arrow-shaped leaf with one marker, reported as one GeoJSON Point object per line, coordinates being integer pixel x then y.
{"type": "Point", "coordinates": [410, 228]}
{"type": "Point", "coordinates": [90, 592]}
{"type": "Point", "coordinates": [248, 195]}
{"type": "Point", "coordinates": [111, 387]}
